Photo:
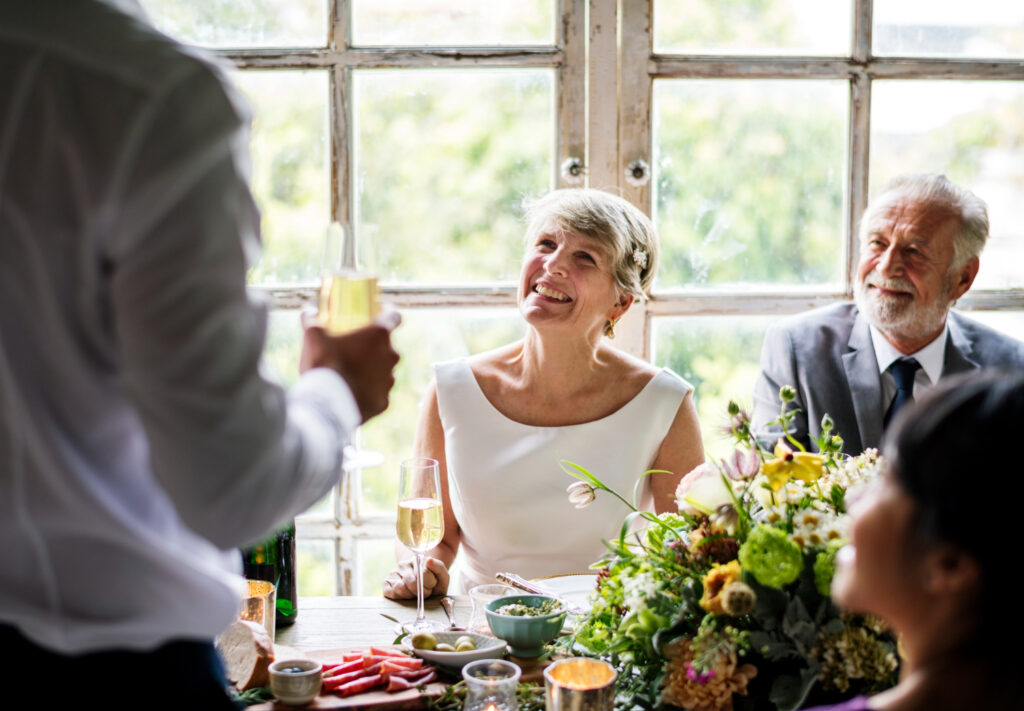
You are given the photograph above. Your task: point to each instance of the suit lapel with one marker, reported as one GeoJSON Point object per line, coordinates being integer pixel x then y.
{"type": "Point", "coordinates": [865, 385]}
{"type": "Point", "coordinates": [959, 349]}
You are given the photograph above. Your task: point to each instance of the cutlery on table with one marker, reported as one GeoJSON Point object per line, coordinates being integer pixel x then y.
{"type": "Point", "coordinates": [446, 605]}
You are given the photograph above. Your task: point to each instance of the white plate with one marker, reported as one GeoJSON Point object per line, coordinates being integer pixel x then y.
{"type": "Point", "coordinates": [486, 648]}
{"type": "Point", "coordinates": [574, 587]}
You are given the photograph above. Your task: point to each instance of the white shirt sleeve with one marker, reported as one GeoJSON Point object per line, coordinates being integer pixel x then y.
{"type": "Point", "coordinates": [235, 454]}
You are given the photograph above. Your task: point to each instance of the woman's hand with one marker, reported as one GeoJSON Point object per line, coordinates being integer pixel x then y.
{"type": "Point", "coordinates": [400, 584]}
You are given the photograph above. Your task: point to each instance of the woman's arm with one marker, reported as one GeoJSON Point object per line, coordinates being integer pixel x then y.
{"type": "Point", "coordinates": [429, 442]}
{"type": "Point", "coordinates": [680, 452]}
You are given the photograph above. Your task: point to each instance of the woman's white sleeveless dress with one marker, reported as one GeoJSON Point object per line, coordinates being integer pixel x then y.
{"type": "Point", "coordinates": [508, 490]}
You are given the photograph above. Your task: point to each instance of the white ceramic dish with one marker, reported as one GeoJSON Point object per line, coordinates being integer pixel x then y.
{"type": "Point", "coordinates": [300, 684]}
{"type": "Point", "coordinates": [486, 648]}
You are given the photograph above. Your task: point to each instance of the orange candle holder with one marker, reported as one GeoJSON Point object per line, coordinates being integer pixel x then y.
{"type": "Point", "coordinates": [579, 684]}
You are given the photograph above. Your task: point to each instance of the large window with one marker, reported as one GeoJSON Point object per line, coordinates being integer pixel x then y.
{"type": "Point", "coordinates": [753, 131]}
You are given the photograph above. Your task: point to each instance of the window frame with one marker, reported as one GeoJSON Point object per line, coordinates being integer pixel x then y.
{"type": "Point", "coordinates": [598, 44]}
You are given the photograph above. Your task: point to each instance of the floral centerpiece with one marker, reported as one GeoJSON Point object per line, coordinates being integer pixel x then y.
{"type": "Point", "coordinates": [726, 603]}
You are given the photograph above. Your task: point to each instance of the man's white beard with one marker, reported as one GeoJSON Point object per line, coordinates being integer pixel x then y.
{"type": "Point", "coordinates": [895, 316]}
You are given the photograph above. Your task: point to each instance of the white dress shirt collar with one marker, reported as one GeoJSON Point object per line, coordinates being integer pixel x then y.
{"type": "Point", "coordinates": [932, 358]}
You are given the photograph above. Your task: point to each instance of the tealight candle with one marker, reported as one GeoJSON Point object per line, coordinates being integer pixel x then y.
{"type": "Point", "coordinates": [579, 684]}
{"type": "Point", "coordinates": [491, 685]}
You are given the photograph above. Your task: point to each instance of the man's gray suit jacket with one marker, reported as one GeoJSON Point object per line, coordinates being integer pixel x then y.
{"type": "Point", "coordinates": [827, 356]}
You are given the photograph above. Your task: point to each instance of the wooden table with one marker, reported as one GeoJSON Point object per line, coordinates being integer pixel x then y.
{"type": "Point", "coordinates": [340, 622]}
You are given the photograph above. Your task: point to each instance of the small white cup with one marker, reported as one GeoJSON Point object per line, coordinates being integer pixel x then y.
{"type": "Point", "coordinates": [296, 681]}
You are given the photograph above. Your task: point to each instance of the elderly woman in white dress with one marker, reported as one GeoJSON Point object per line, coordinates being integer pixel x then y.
{"type": "Point", "coordinates": [500, 422]}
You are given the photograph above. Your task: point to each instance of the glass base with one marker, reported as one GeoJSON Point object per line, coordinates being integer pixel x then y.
{"type": "Point", "coordinates": [414, 626]}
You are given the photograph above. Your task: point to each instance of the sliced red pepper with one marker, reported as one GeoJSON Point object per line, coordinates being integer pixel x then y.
{"type": "Point", "coordinates": [389, 665]}
{"type": "Point", "coordinates": [397, 683]}
{"type": "Point", "coordinates": [360, 685]}
{"type": "Point", "coordinates": [345, 668]}
{"type": "Point", "coordinates": [430, 676]}
{"type": "Point", "coordinates": [381, 652]}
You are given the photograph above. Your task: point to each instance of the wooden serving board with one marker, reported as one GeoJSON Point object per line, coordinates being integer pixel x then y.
{"type": "Point", "coordinates": [376, 699]}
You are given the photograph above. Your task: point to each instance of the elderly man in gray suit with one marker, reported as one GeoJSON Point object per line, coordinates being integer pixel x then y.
{"type": "Point", "coordinates": [860, 362]}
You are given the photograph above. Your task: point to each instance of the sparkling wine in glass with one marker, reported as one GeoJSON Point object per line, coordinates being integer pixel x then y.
{"type": "Point", "coordinates": [420, 524]}
{"type": "Point", "coordinates": [348, 295]}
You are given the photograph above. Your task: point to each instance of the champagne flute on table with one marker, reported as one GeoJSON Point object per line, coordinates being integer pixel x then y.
{"type": "Point", "coordinates": [420, 525]}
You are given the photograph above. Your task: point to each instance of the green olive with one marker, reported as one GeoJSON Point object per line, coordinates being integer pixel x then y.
{"type": "Point", "coordinates": [442, 647]}
{"type": "Point", "coordinates": [464, 645]}
{"type": "Point", "coordinates": [424, 640]}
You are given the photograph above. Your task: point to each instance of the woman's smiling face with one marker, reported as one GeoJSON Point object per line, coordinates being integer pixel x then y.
{"type": "Point", "coordinates": [567, 281]}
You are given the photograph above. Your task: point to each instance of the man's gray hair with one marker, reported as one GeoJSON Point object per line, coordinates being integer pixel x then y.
{"type": "Point", "coordinates": [932, 188]}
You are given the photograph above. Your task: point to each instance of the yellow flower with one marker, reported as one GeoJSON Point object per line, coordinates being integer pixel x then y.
{"type": "Point", "coordinates": [714, 694]}
{"type": "Point", "coordinates": [805, 466]}
{"type": "Point", "coordinates": [715, 582]}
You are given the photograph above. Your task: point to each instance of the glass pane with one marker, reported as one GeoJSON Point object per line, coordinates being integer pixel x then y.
{"type": "Point", "coordinates": [926, 28]}
{"type": "Point", "coordinates": [442, 162]}
{"type": "Point", "coordinates": [242, 23]}
{"type": "Point", "coordinates": [314, 563]}
{"type": "Point", "coordinates": [748, 181]}
{"type": "Point", "coordinates": [375, 559]}
{"type": "Point", "coordinates": [788, 27]}
{"type": "Point", "coordinates": [291, 170]}
{"type": "Point", "coordinates": [453, 22]}
{"type": "Point", "coordinates": [284, 344]}
{"type": "Point", "coordinates": [426, 336]}
{"type": "Point", "coordinates": [972, 132]}
{"type": "Point", "coordinates": [720, 357]}
{"type": "Point", "coordinates": [1009, 322]}
{"type": "Point", "coordinates": [281, 358]}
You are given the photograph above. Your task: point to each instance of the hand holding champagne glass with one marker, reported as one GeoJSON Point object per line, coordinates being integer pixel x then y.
{"type": "Point", "coordinates": [348, 295]}
{"type": "Point", "coordinates": [420, 524]}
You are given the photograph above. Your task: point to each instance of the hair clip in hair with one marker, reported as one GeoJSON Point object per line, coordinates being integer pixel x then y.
{"type": "Point", "coordinates": [640, 257]}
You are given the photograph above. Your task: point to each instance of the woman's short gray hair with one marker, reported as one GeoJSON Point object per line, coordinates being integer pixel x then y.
{"type": "Point", "coordinates": [924, 188]}
{"type": "Point", "coordinates": [611, 221]}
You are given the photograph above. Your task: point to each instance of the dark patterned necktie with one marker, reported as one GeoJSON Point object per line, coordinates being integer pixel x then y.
{"type": "Point", "coordinates": [903, 371]}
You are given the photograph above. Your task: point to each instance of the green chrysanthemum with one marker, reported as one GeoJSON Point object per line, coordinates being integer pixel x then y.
{"type": "Point", "coordinates": [771, 557]}
{"type": "Point", "coordinates": [825, 566]}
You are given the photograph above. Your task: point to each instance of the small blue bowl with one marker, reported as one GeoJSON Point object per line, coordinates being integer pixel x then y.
{"type": "Point", "coordinates": [526, 635]}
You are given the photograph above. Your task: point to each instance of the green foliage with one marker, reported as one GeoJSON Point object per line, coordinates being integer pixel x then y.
{"type": "Point", "coordinates": [227, 23]}
{"type": "Point", "coordinates": [719, 24]}
{"type": "Point", "coordinates": [748, 190]}
{"type": "Point", "coordinates": [443, 161]}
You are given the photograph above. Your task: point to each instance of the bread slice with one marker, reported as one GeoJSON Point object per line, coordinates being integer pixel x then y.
{"type": "Point", "coordinates": [247, 651]}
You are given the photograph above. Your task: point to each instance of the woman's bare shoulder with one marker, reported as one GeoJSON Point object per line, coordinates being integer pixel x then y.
{"type": "Point", "coordinates": [626, 366]}
{"type": "Point", "coordinates": [495, 362]}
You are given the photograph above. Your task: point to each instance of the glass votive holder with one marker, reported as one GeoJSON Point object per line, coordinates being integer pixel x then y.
{"type": "Point", "coordinates": [479, 596]}
{"type": "Point", "coordinates": [491, 685]}
{"type": "Point", "coordinates": [579, 684]}
{"type": "Point", "coordinates": [260, 604]}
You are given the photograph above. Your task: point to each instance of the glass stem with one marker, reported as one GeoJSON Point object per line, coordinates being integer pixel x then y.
{"type": "Point", "coordinates": [420, 613]}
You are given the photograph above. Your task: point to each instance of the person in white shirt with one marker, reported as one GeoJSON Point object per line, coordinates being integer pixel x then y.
{"type": "Point", "coordinates": [859, 362]}
{"type": "Point", "coordinates": [140, 442]}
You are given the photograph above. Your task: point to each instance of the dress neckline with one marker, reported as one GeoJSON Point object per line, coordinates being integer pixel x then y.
{"type": "Point", "coordinates": [480, 391]}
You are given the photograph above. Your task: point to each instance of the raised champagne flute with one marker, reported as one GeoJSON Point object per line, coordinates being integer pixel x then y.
{"type": "Point", "coordinates": [349, 298]}
{"type": "Point", "coordinates": [420, 525]}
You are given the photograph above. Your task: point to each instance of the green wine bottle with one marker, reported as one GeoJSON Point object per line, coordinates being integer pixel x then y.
{"type": "Point", "coordinates": [273, 560]}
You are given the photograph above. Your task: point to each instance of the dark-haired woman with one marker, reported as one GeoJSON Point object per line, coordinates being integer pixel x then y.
{"type": "Point", "coordinates": [934, 545]}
